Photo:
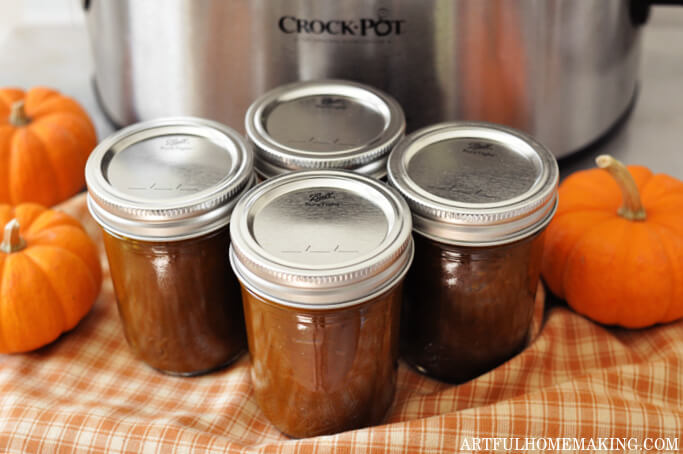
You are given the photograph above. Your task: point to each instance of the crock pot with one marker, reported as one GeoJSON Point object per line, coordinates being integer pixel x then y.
{"type": "Point", "coordinates": [564, 71]}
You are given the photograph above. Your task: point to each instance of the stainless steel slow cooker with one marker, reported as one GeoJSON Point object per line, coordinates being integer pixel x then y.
{"type": "Point", "coordinates": [562, 70]}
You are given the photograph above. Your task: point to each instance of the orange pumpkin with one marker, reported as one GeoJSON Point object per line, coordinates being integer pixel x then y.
{"type": "Point", "coordinates": [50, 276]}
{"type": "Point", "coordinates": [45, 140]}
{"type": "Point", "coordinates": [614, 250]}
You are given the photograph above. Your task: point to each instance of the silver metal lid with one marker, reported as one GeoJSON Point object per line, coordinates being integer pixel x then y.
{"type": "Point", "coordinates": [168, 179]}
{"type": "Point", "coordinates": [321, 239]}
{"type": "Point", "coordinates": [325, 124]}
{"type": "Point", "coordinates": [475, 184]}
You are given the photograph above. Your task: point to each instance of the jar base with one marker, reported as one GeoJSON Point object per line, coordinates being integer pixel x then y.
{"type": "Point", "coordinates": [336, 431]}
{"type": "Point", "coordinates": [459, 379]}
{"type": "Point", "coordinates": [209, 370]}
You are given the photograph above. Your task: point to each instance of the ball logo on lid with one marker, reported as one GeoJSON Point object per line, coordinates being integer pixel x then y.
{"type": "Point", "coordinates": [318, 199]}
{"type": "Point", "coordinates": [480, 148]}
{"type": "Point", "coordinates": [328, 102]}
{"type": "Point", "coordinates": [176, 143]}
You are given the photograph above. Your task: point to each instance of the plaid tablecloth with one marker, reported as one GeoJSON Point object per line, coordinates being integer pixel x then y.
{"type": "Point", "coordinates": [87, 393]}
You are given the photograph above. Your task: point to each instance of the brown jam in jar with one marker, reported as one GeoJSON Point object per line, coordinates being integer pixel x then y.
{"type": "Point", "coordinates": [468, 308]}
{"type": "Point", "coordinates": [321, 256]}
{"type": "Point", "coordinates": [480, 196]}
{"type": "Point", "coordinates": [323, 124]}
{"type": "Point", "coordinates": [338, 366]}
{"type": "Point", "coordinates": [179, 303]}
{"type": "Point", "coordinates": [163, 192]}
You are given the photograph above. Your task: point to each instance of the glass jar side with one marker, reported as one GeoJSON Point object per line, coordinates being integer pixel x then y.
{"type": "Point", "coordinates": [179, 301]}
{"type": "Point", "coordinates": [467, 310]}
{"type": "Point", "coordinates": [327, 371]}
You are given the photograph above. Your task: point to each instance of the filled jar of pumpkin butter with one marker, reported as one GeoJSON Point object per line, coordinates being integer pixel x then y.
{"type": "Point", "coordinates": [321, 257]}
{"type": "Point", "coordinates": [323, 124]}
{"type": "Point", "coordinates": [481, 196]}
{"type": "Point", "coordinates": [163, 192]}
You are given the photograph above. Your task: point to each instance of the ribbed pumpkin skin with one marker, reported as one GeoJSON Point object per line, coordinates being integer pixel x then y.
{"type": "Point", "coordinates": [612, 270]}
{"type": "Point", "coordinates": [43, 161]}
{"type": "Point", "coordinates": [49, 286]}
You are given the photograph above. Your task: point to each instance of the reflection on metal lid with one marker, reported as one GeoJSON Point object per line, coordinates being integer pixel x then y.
{"type": "Point", "coordinates": [167, 179]}
{"type": "Point", "coordinates": [328, 124]}
{"type": "Point", "coordinates": [321, 238]}
{"type": "Point", "coordinates": [475, 183]}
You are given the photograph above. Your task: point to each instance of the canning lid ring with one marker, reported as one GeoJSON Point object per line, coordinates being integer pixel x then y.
{"type": "Point", "coordinates": [373, 287]}
{"type": "Point", "coordinates": [275, 157]}
{"type": "Point", "coordinates": [176, 218]}
{"type": "Point", "coordinates": [477, 236]}
{"type": "Point", "coordinates": [482, 223]}
{"type": "Point", "coordinates": [308, 281]}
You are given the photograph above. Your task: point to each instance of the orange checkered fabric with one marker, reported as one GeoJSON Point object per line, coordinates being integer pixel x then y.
{"type": "Point", "coordinates": [87, 393]}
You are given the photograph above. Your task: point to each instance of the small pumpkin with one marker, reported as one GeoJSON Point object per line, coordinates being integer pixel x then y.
{"type": "Point", "coordinates": [45, 140]}
{"type": "Point", "coordinates": [50, 276]}
{"type": "Point", "coordinates": [614, 250]}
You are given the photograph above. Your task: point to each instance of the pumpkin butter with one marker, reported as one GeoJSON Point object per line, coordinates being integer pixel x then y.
{"type": "Point", "coordinates": [321, 257]}
{"type": "Point", "coordinates": [179, 303]}
{"type": "Point", "coordinates": [163, 192]}
{"type": "Point", "coordinates": [468, 309]}
{"type": "Point", "coordinates": [480, 196]}
{"type": "Point", "coordinates": [321, 372]}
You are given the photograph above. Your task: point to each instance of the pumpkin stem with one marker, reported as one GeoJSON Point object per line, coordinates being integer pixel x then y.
{"type": "Point", "coordinates": [631, 208]}
{"type": "Point", "coordinates": [17, 116]}
{"type": "Point", "coordinates": [11, 240]}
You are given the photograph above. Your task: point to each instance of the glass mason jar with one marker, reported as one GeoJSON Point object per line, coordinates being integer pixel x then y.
{"type": "Point", "coordinates": [323, 124]}
{"type": "Point", "coordinates": [321, 256]}
{"type": "Point", "coordinates": [163, 192]}
{"type": "Point", "coordinates": [480, 196]}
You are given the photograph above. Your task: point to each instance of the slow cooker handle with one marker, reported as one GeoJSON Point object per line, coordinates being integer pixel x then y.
{"type": "Point", "coordinates": [640, 9]}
